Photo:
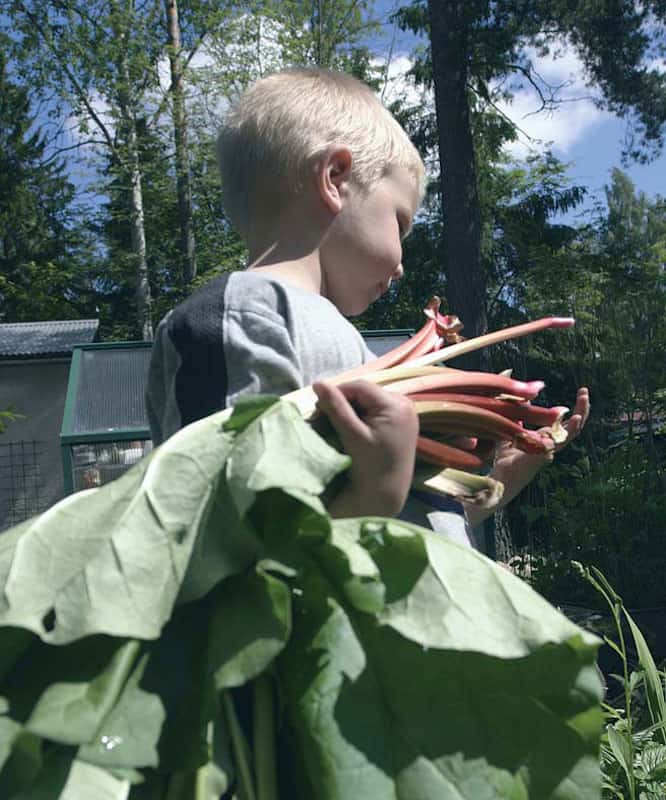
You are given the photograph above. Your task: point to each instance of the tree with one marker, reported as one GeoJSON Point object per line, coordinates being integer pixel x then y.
{"type": "Point", "coordinates": [474, 44]}
{"type": "Point", "coordinates": [40, 275]}
{"type": "Point", "coordinates": [323, 33]}
{"type": "Point", "coordinates": [601, 502]}
{"type": "Point", "coordinates": [97, 61]}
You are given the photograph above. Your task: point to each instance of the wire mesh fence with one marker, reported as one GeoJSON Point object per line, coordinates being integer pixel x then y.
{"type": "Point", "coordinates": [22, 486]}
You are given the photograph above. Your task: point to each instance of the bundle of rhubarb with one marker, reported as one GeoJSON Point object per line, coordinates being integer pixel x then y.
{"type": "Point", "coordinates": [463, 415]}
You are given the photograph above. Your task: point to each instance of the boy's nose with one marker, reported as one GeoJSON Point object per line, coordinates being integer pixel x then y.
{"type": "Point", "coordinates": [398, 273]}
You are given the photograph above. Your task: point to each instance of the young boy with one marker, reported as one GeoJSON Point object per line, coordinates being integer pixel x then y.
{"type": "Point", "coordinates": [323, 184]}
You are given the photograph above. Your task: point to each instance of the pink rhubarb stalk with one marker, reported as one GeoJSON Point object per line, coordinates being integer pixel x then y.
{"type": "Point", "coordinates": [446, 455]}
{"type": "Point", "coordinates": [538, 416]}
{"type": "Point", "coordinates": [504, 335]}
{"type": "Point", "coordinates": [459, 418]}
{"type": "Point", "coordinates": [467, 382]}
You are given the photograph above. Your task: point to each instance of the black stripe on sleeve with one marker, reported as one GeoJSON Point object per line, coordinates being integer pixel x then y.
{"type": "Point", "coordinates": [195, 328]}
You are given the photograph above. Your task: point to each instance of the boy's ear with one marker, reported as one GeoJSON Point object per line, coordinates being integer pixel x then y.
{"type": "Point", "coordinates": [333, 176]}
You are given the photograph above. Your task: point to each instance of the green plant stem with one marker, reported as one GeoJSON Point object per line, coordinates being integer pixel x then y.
{"type": "Point", "coordinates": [617, 616]}
{"type": "Point", "coordinates": [240, 749]}
{"type": "Point", "coordinates": [614, 602]}
{"type": "Point", "coordinates": [264, 738]}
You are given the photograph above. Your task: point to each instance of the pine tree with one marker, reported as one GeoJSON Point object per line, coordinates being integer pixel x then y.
{"type": "Point", "coordinates": [39, 274]}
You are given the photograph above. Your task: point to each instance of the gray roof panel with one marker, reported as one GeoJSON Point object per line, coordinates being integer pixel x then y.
{"type": "Point", "coordinates": [44, 339]}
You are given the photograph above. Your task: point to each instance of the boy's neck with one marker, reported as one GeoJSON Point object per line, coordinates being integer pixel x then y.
{"type": "Point", "coordinates": [303, 271]}
{"type": "Point", "coordinates": [290, 248]}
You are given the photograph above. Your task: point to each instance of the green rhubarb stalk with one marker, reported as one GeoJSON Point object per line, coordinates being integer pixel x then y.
{"type": "Point", "coordinates": [264, 738]}
{"type": "Point", "coordinates": [239, 748]}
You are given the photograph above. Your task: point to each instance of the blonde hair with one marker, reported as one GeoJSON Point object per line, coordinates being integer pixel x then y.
{"type": "Point", "coordinates": [285, 120]}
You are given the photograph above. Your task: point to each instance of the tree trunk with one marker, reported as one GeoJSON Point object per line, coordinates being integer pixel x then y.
{"type": "Point", "coordinates": [132, 167]}
{"type": "Point", "coordinates": [450, 23]}
{"type": "Point", "coordinates": [183, 177]}
{"type": "Point", "coordinates": [143, 298]}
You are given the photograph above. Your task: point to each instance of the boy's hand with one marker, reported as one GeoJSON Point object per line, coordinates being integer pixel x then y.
{"type": "Point", "coordinates": [516, 469]}
{"type": "Point", "coordinates": [576, 422]}
{"type": "Point", "coordinates": [378, 430]}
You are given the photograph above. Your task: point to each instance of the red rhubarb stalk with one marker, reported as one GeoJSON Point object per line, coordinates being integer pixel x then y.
{"type": "Point", "coordinates": [539, 416]}
{"type": "Point", "coordinates": [445, 455]}
{"type": "Point", "coordinates": [470, 345]}
{"type": "Point", "coordinates": [467, 382]}
{"type": "Point", "coordinates": [459, 418]}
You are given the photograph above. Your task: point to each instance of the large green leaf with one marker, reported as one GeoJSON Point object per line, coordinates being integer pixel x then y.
{"type": "Point", "coordinates": [409, 667]}
{"type": "Point", "coordinates": [112, 560]}
{"type": "Point", "coordinates": [468, 685]}
{"type": "Point", "coordinates": [654, 688]}
{"type": "Point", "coordinates": [249, 625]}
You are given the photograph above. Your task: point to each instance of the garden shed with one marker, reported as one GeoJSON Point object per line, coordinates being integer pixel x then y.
{"type": "Point", "coordinates": [34, 368]}
{"type": "Point", "coordinates": [104, 426]}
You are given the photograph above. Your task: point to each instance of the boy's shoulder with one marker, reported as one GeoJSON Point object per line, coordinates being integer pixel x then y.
{"type": "Point", "coordinates": [250, 295]}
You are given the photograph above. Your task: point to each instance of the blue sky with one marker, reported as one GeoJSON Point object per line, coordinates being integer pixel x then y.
{"type": "Point", "coordinates": [587, 139]}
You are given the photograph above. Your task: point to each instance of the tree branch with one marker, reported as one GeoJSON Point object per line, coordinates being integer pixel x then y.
{"type": "Point", "coordinates": [48, 40]}
{"type": "Point", "coordinates": [60, 150]}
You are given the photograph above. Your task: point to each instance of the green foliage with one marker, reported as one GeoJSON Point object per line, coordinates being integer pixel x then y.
{"type": "Point", "coordinates": [324, 34]}
{"type": "Point", "coordinates": [213, 565]}
{"type": "Point", "coordinates": [41, 248]}
{"type": "Point", "coordinates": [603, 500]}
{"type": "Point", "coordinates": [633, 752]}
{"type": "Point", "coordinates": [6, 416]}
{"type": "Point", "coordinates": [621, 56]}
{"type": "Point", "coordinates": [610, 513]}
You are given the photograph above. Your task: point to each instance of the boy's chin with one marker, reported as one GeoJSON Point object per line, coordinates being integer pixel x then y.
{"type": "Point", "coordinates": [354, 307]}
{"type": "Point", "coordinates": [357, 308]}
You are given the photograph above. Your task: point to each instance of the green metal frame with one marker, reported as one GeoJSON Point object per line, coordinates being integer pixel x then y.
{"type": "Point", "coordinates": [67, 438]}
{"type": "Point", "coordinates": [392, 332]}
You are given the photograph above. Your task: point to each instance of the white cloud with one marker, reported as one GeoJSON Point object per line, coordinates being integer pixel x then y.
{"type": "Point", "coordinates": [82, 127]}
{"type": "Point", "coordinates": [397, 83]}
{"type": "Point", "coordinates": [560, 128]}
{"type": "Point", "coordinates": [564, 125]}
{"type": "Point", "coordinates": [658, 65]}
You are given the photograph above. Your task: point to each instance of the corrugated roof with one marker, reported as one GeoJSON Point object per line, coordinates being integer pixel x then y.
{"type": "Point", "coordinates": [43, 339]}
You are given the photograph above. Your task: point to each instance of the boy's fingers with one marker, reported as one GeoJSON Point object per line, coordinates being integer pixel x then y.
{"type": "Point", "coordinates": [574, 425]}
{"type": "Point", "coordinates": [582, 407]}
{"type": "Point", "coordinates": [364, 394]}
{"type": "Point", "coordinates": [334, 403]}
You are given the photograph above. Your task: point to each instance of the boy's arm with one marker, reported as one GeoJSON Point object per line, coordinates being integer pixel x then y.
{"type": "Point", "coordinates": [516, 469]}
{"type": "Point", "coordinates": [378, 430]}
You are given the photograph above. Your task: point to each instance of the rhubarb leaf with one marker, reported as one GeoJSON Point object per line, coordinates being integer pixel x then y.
{"type": "Point", "coordinates": [407, 666]}
{"type": "Point", "coordinates": [130, 540]}
{"type": "Point", "coordinates": [250, 623]}
{"type": "Point", "coordinates": [431, 698]}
